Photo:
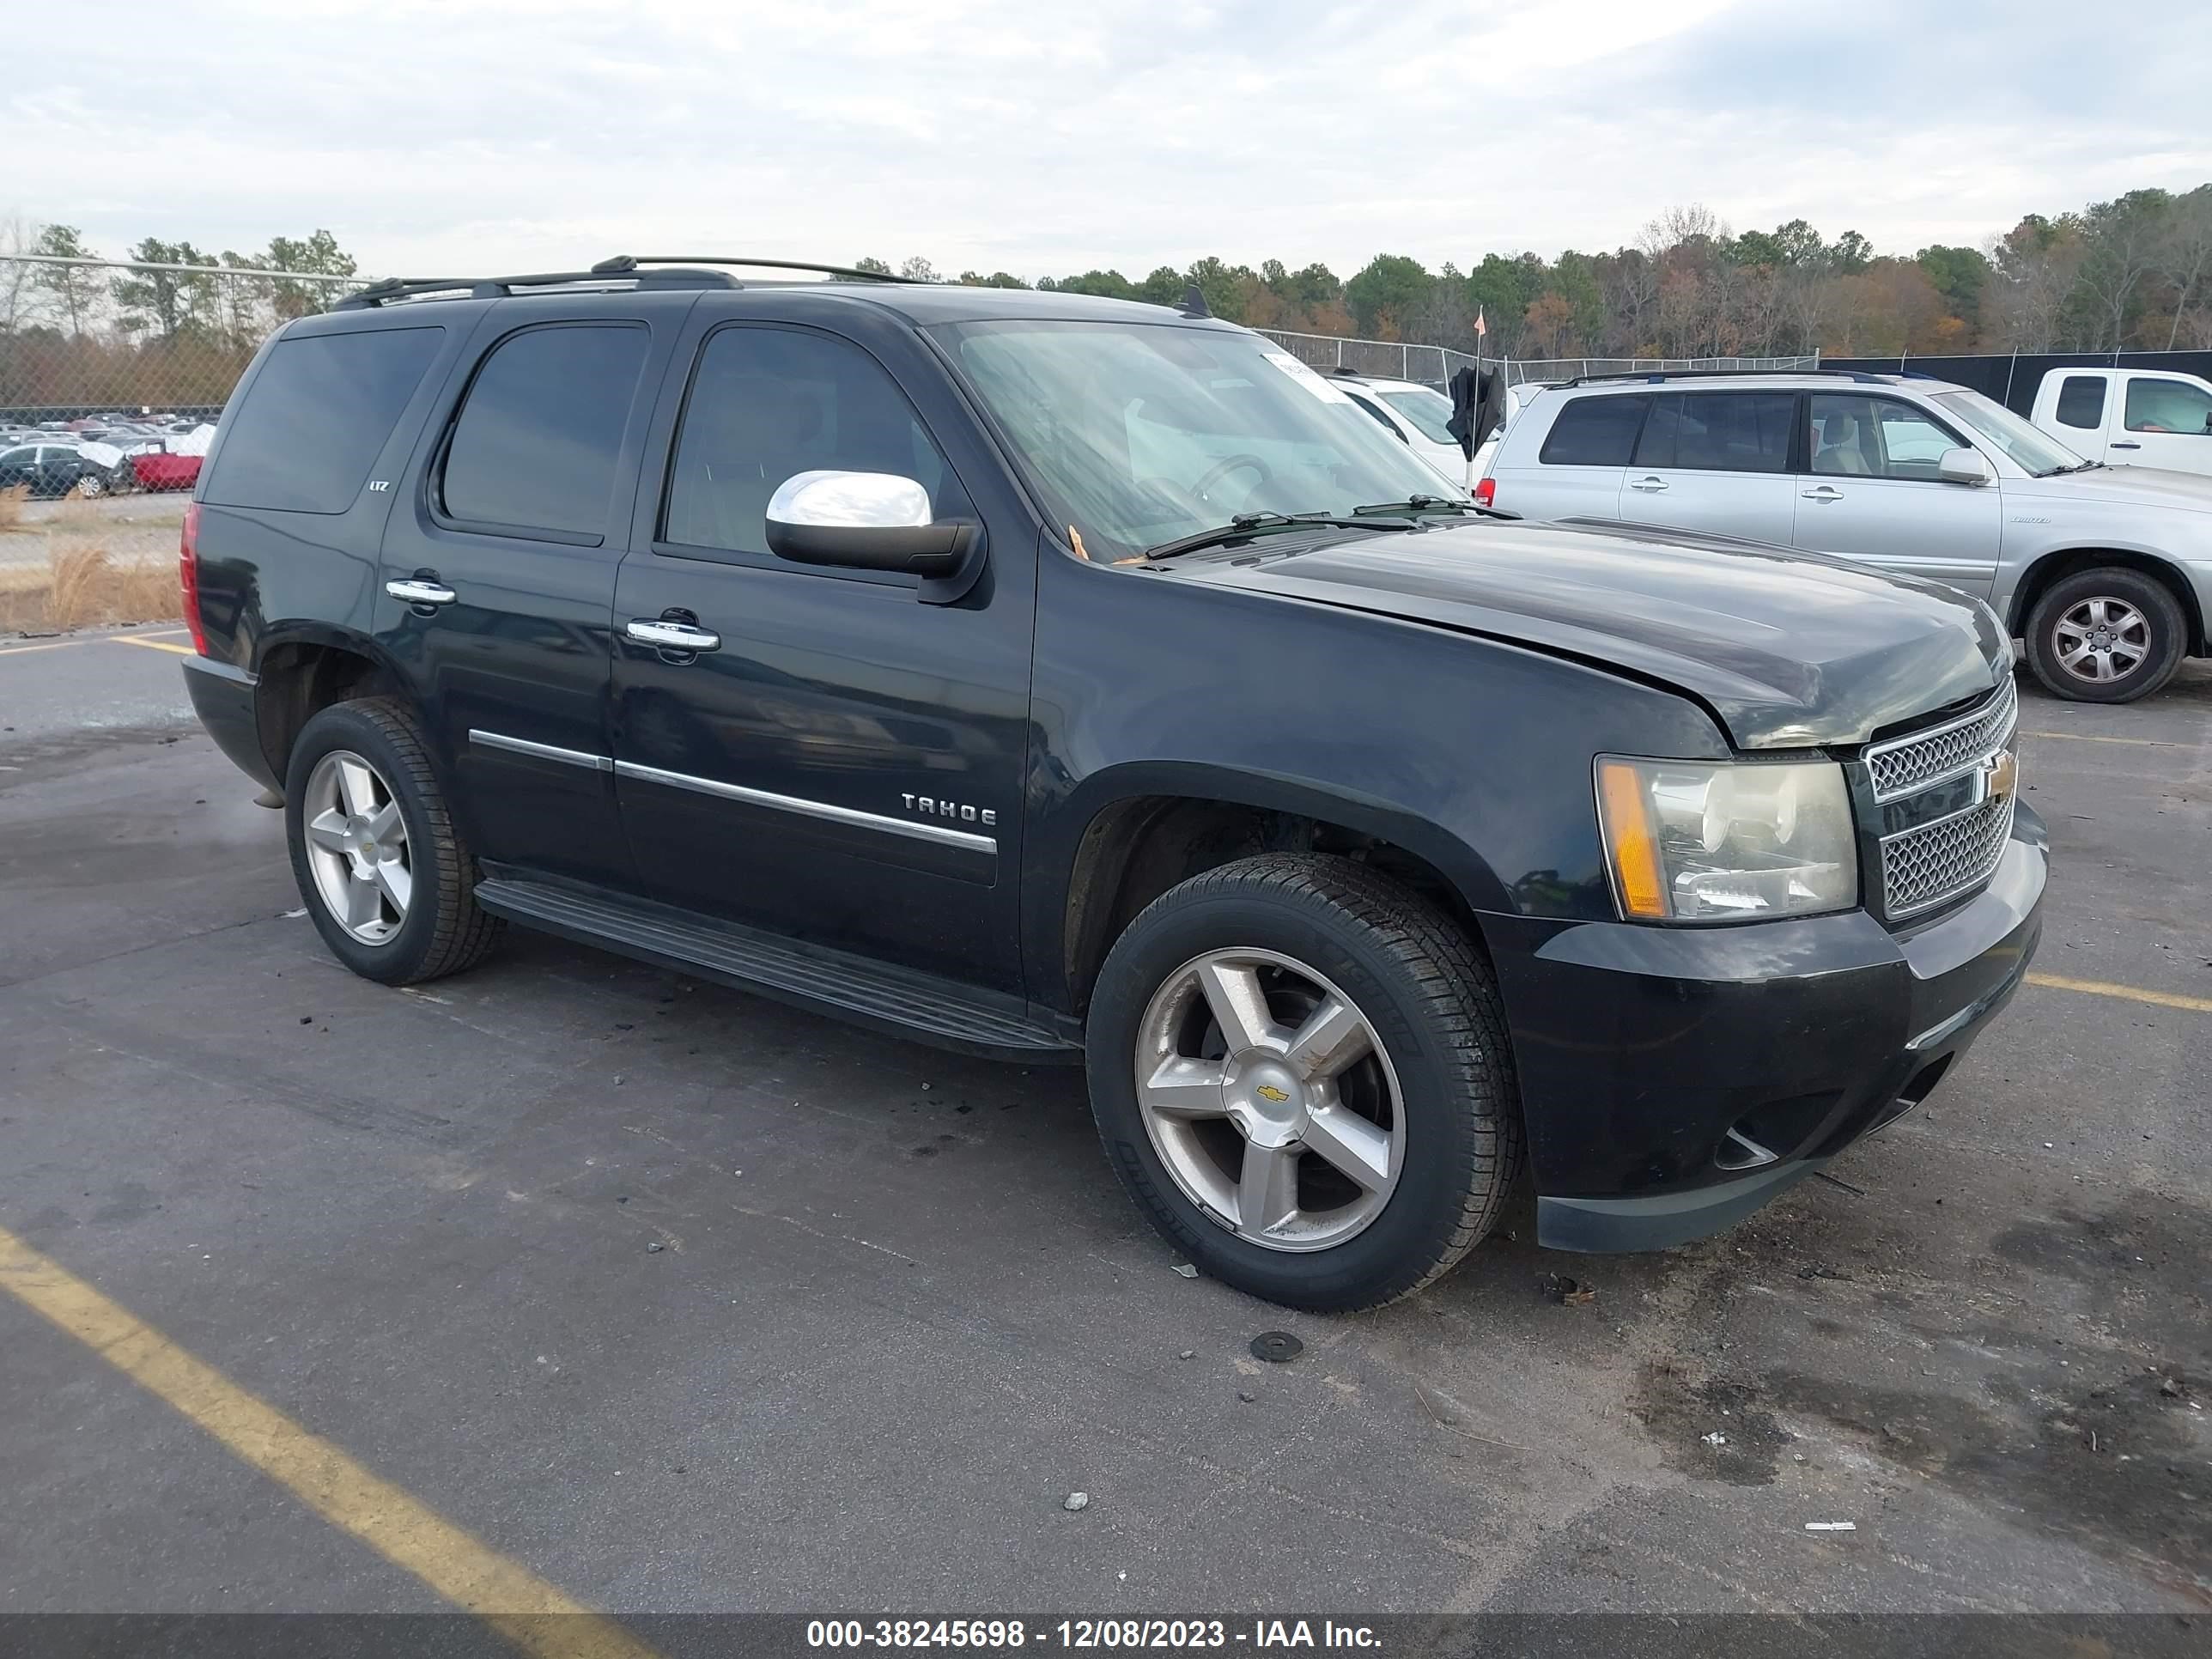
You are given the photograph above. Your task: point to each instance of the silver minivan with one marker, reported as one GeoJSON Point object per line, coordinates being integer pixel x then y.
{"type": "Point", "coordinates": [2105, 573]}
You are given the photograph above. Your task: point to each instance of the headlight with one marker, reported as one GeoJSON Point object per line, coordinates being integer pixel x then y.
{"type": "Point", "coordinates": [1693, 840]}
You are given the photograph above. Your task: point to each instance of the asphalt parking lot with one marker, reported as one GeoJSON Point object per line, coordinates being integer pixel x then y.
{"type": "Point", "coordinates": [673, 1300]}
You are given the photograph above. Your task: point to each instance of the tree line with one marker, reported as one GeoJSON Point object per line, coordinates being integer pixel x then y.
{"type": "Point", "coordinates": [80, 336]}
{"type": "Point", "coordinates": [2132, 273]}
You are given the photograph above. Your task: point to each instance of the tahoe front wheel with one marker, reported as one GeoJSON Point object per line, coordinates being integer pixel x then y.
{"type": "Point", "coordinates": [1299, 1069]}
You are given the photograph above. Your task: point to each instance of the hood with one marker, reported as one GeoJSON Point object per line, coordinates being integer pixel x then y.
{"type": "Point", "coordinates": [1787, 649]}
{"type": "Point", "coordinates": [2116, 486]}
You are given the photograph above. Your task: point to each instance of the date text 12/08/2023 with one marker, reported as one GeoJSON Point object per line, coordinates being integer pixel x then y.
{"type": "Point", "coordinates": [1117, 1634]}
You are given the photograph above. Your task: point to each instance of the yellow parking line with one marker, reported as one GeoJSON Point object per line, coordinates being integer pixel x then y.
{"type": "Point", "coordinates": [2091, 737]}
{"type": "Point", "coordinates": [522, 1606]}
{"type": "Point", "coordinates": [51, 645]}
{"type": "Point", "coordinates": [2099, 988]}
{"type": "Point", "coordinates": [151, 644]}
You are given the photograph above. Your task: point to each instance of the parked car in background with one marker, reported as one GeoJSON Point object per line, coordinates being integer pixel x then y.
{"type": "Point", "coordinates": [1419, 416]}
{"type": "Point", "coordinates": [2129, 416]}
{"type": "Point", "coordinates": [158, 469]}
{"type": "Point", "coordinates": [2105, 572]}
{"type": "Point", "coordinates": [51, 470]}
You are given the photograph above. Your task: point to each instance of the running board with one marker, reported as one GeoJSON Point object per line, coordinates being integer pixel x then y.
{"type": "Point", "coordinates": [895, 1000]}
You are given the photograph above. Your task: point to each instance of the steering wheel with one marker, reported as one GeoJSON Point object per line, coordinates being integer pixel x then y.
{"type": "Point", "coordinates": [1221, 469]}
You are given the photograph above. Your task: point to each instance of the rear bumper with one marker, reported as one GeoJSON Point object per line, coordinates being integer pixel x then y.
{"type": "Point", "coordinates": [224, 698]}
{"type": "Point", "coordinates": [1675, 1080]}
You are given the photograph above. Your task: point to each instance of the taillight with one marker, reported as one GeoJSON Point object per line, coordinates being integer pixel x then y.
{"type": "Point", "coordinates": [1486, 493]}
{"type": "Point", "coordinates": [188, 574]}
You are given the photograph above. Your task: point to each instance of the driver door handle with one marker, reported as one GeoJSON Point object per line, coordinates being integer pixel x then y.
{"type": "Point", "coordinates": [416, 590]}
{"type": "Point", "coordinates": [665, 635]}
{"type": "Point", "coordinates": [1824, 493]}
{"type": "Point", "coordinates": [1650, 486]}
{"type": "Point", "coordinates": [2126, 446]}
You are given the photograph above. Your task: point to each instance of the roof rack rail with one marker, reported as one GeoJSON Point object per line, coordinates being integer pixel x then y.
{"type": "Point", "coordinates": [1656, 376]}
{"type": "Point", "coordinates": [606, 275]}
{"type": "Point", "coordinates": [622, 262]}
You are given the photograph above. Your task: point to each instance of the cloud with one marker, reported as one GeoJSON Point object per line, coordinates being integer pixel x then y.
{"type": "Point", "coordinates": [996, 135]}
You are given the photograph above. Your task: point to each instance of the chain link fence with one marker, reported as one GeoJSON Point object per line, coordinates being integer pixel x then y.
{"type": "Point", "coordinates": [112, 375]}
{"type": "Point", "coordinates": [1401, 360]}
{"type": "Point", "coordinates": [87, 340]}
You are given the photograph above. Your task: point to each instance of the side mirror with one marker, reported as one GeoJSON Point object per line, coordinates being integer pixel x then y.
{"type": "Point", "coordinates": [864, 522]}
{"type": "Point", "coordinates": [1962, 465]}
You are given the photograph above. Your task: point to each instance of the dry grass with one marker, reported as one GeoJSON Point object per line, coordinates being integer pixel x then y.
{"type": "Point", "coordinates": [11, 508]}
{"type": "Point", "coordinates": [84, 588]}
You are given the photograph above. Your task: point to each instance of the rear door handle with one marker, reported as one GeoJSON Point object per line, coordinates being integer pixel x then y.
{"type": "Point", "coordinates": [1648, 485]}
{"type": "Point", "coordinates": [1824, 493]}
{"type": "Point", "coordinates": [664, 636]}
{"type": "Point", "coordinates": [2127, 445]}
{"type": "Point", "coordinates": [416, 590]}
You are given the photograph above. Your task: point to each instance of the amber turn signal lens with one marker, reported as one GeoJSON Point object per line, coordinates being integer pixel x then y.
{"type": "Point", "coordinates": [1629, 840]}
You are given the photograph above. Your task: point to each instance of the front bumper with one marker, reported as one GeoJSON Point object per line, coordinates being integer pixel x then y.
{"type": "Point", "coordinates": [1675, 1080]}
{"type": "Point", "coordinates": [224, 698]}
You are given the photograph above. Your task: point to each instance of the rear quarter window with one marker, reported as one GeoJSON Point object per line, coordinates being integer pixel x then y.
{"type": "Point", "coordinates": [316, 417]}
{"type": "Point", "coordinates": [1594, 432]}
{"type": "Point", "coordinates": [2081, 402]}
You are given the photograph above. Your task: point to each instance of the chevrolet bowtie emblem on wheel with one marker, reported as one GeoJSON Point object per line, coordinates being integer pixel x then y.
{"type": "Point", "coordinates": [1269, 1091]}
{"type": "Point", "coordinates": [2000, 774]}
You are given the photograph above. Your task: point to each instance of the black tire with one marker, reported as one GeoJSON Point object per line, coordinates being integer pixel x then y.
{"type": "Point", "coordinates": [1428, 995]}
{"type": "Point", "coordinates": [443, 930]}
{"type": "Point", "coordinates": [2167, 626]}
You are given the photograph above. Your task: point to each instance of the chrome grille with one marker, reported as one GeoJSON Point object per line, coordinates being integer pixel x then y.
{"type": "Point", "coordinates": [1905, 764]}
{"type": "Point", "coordinates": [1933, 791]}
{"type": "Point", "coordinates": [1925, 866]}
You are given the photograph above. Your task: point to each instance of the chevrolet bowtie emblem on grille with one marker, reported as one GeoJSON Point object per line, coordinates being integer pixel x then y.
{"type": "Point", "coordinates": [1269, 1091]}
{"type": "Point", "coordinates": [2000, 775]}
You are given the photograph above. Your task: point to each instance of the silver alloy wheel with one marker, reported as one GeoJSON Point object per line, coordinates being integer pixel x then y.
{"type": "Point", "coordinates": [1269, 1099]}
{"type": "Point", "coordinates": [2102, 640]}
{"type": "Point", "coordinates": [357, 847]}
{"type": "Point", "coordinates": [91, 485]}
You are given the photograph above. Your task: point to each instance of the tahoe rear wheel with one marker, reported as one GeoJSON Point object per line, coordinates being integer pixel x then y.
{"type": "Point", "coordinates": [381, 868]}
{"type": "Point", "coordinates": [1299, 1069]}
{"type": "Point", "coordinates": [2106, 635]}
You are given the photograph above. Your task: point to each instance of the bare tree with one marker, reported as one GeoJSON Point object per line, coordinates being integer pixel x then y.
{"type": "Point", "coordinates": [2124, 239]}
{"type": "Point", "coordinates": [2185, 253]}
{"type": "Point", "coordinates": [2038, 265]}
{"type": "Point", "coordinates": [15, 237]}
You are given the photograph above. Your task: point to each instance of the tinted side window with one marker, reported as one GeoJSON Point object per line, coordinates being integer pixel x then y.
{"type": "Point", "coordinates": [1736, 431]}
{"type": "Point", "coordinates": [2081, 402]}
{"type": "Point", "coordinates": [540, 436]}
{"type": "Point", "coordinates": [1594, 432]}
{"type": "Point", "coordinates": [317, 416]}
{"type": "Point", "coordinates": [768, 403]}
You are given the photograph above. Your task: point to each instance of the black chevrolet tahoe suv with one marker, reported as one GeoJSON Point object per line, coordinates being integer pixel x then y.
{"type": "Point", "coordinates": [1053, 678]}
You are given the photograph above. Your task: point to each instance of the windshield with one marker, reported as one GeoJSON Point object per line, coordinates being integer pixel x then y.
{"type": "Point", "coordinates": [1430, 411]}
{"type": "Point", "coordinates": [1138, 433]}
{"type": "Point", "coordinates": [2033, 449]}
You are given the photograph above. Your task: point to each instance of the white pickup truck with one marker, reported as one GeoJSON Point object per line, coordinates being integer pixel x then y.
{"type": "Point", "coordinates": [2129, 416]}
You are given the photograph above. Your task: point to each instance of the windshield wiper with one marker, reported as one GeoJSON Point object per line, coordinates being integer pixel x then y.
{"type": "Point", "coordinates": [1417, 504]}
{"type": "Point", "coordinates": [2061, 471]}
{"type": "Point", "coordinates": [1246, 524]}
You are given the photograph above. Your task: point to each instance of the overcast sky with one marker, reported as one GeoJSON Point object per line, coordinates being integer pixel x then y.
{"type": "Point", "coordinates": [1049, 139]}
